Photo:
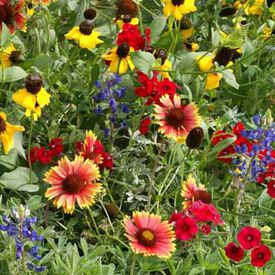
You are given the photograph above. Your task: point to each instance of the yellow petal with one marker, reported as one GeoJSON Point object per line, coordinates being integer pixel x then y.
{"type": "Point", "coordinates": [43, 98]}
{"type": "Point", "coordinates": [24, 99]}
{"type": "Point", "coordinates": [212, 81]}
{"type": "Point", "coordinates": [73, 34]}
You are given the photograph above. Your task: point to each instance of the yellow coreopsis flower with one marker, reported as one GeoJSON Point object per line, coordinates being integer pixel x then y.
{"type": "Point", "coordinates": [7, 132]}
{"type": "Point", "coordinates": [212, 81]}
{"type": "Point", "coordinates": [33, 98]}
{"type": "Point", "coordinates": [177, 8]}
{"type": "Point", "coordinates": [85, 35]}
{"type": "Point", "coordinates": [119, 59]}
{"type": "Point", "coordinates": [9, 56]}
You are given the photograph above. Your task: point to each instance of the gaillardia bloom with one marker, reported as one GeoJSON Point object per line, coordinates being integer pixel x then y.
{"type": "Point", "coordinates": [33, 97]}
{"type": "Point", "coordinates": [148, 235]}
{"type": "Point", "coordinates": [9, 56]}
{"type": "Point", "coordinates": [175, 120]}
{"type": "Point", "coordinates": [85, 35]}
{"type": "Point", "coordinates": [73, 181]}
{"type": "Point", "coordinates": [119, 59]}
{"type": "Point", "coordinates": [177, 8]}
{"type": "Point", "coordinates": [7, 132]}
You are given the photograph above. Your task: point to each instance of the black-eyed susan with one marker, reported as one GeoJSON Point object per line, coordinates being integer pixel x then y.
{"type": "Point", "coordinates": [164, 66]}
{"type": "Point", "coordinates": [186, 28]}
{"type": "Point", "coordinates": [33, 97]}
{"type": "Point", "coordinates": [212, 81]}
{"type": "Point", "coordinates": [254, 7]}
{"type": "Point", "coordinates": [126, 18]}
{"type": "Point", "coordinates": [118, 59]}
{"type": "Point", "coordinates": [178, 8]}
{"type": "Point", "coordinates": [7, 132]}
{"type": "Point", "coordinates": [128, 7]}
{"type": "Point", "coordinates": [191, 46]}
{"type": "Point", "coordinates": [85, 34]}
{"type": "Point", "coordinates": [9, 56]}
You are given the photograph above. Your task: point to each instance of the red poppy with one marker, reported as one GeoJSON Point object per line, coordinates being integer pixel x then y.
{"type": "Point", "coordinates": [271, 189]}
{"type": "Point", "coordinates": [145, 125]}
{"type": "Point", "coordinates": [186, 228]}
{"type": "Point", "coordinates": [234, 252]}
{"type": "Point", "coordinates": [44, 155]}
{"type": "Point", "coordinates": [206, 229]}
{"type": "Point", "coordinates": [11, 15]}
{"type": "Point", "coordinates": [56, 146]}
{"type": "Point", "coordinates": [249, 237]}
{"type": "Point", "coordinates": [260, 255]}
{"type": "Point", "coordinates": [107, 162]}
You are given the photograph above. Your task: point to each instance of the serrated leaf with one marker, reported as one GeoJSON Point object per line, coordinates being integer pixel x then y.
{"type": "Point", "coordinates": [12, 74]}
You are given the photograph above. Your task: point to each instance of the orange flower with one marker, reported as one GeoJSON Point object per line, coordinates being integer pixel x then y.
{"type": "Point", "coordinates": [175, 120]}
{"type": "Point", "coordinates": [73, 181]}
{"type": "Point", "coordinates": [148, 235]}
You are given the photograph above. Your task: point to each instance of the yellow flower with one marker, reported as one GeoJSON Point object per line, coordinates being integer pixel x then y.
{"type": "Point", "coordinates": [205, 63]}
{"type": "Point", "coordinates": [7, 132]}
{"type": "Point", "coordinates": [33, 97]}
{"type": "Point", "coordinates": [133, 21]}
{"type": "Point", "coordinates": [85, 35]}
{"type": "Point", "coordinates": [119, 59]}
{"type": "Point", "coordinates": [177, 8]}
{"type": "Point", "coordinates": [266, 33]}
{"type": "Point", "coordinates": [9, 56]}
{"type": "Point", "coordinates": [163, 68]}
{"type": "Point", "coordinates": [212, 81]}
{"type": "Point", "coordinates": [187, 33]}
{"type": "Point", "coordinates": [191, 46]}
{"type": "Point", "coordinates": [255, 9]}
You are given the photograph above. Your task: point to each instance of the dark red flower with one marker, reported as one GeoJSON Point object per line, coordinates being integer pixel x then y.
{"type": "Point", "coordinates": [107, 161]}
{"type": "Point", "coordinates": [145, 125]}
{"type": "Point", "coordinates": [56, 146]}
{"type": "Point", "coordinates": [33, 154]}
{"type": "Point", "coordinates": [268, 174]}
{"type": "Point", "coordinates": [186, 228]}
{"type": "Point", "coordinates": [234, 252]}
{"type": "Point", "coordinates": [206, 229]}
{"type": "Point", "coordinates": [249, 237]}
{"type": "Point", "coordinates": [11, 15]}
{"type": "Point", "coordinates": [78, 147]}
{"type": "Point", "coordinates": [260, 255]}
{"type": "Point", "coordinates": [44, 156]}
{"type": "Point", "coordinates": [175, 217]}
{"type": "Point", "coordinates": [271, 189]}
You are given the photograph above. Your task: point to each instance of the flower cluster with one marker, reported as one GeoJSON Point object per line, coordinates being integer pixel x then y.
{"type": "Point", "coordinates": [249, 238]}
{"type": "Point", "coordinates": [19, 226]}
{"type": "Point", "coordinates": [44, 155]}
{"type": "Point", "coordinates": [108, 99]}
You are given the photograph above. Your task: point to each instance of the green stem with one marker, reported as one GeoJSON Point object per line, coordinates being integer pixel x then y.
{"type": "Point", "coordinates": [29, 149]}
{"type": "Point", "coordinates": [132, 268]}
{"type": "Point", "coordinates": [107, 215]}
{"type": "Point", "coordinates": [94, 223]}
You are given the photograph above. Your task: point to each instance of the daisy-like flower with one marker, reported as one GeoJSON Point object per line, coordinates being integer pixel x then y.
{"type": "Point", "coordinates": [148, 235]}
{"type": "Point", "coordinates": [85, 35]}
{"type": "Point", "coordinates": [254, 9]}
{"type": "Point", "coordinates": [126, 18]}
{"type": "Point", "coordinates": [9, 56]}
{"type": "Point", "coordinates": [205, 63]}
{"type": "Point", "coordinates": [73, 181]}
{"type": "Point", "coordinates": [186, 28]}
{"type": "Point", "coordinates": [11, 15]}
{"type": "Point", "coordinates": [33, 97]}
{"type": "Point", "coordinates": [119, 59]}
{"type": "Point", "coordinates": [7, 132]}
{"type": "Point", "coordinates": [175, 120]}
{"type": "Point", "coordinates": [191, 192]}
{"type": "Point", "coordinates": [165, 66]}
{"type": "Point", "coordinates": [178, 8]}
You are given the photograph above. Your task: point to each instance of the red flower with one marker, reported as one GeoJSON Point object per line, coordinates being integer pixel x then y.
{"type": "Point", "coordinates": [44, 156]}
{"type": "Point", "coordinates": [147, 87]}
{"type": "Point", "coordinates": [78, 147]}
{"type": "Point", "coordinates": [11, 15]}
{"type": "Point", "coordinates": [56, 146]}
{"type": "Point", "coordinates": [269, 173]}
{"type": "Point", "coordinates": [206, 229]}
{"type": "Point", "coordinates": [145, 125]}
{"type": "Point", "coordinates": [271, 189]}
{"type": "Point", "coordinates": [234, 252]}
{"type": "Point", "coordinates": [260, 255]}
{"type": "Point", "coordinates": [175, 217]}
{"type": "Point", "coordinates": [107, 162]}
{"type": "Point", "coordinates": [186, 228]}
{"type": "Point", "coordinates": [204, 212]}
{"type": "Point", "coordinates": [131, 35]}
{"type": "Point", "coordinates": [249, 237]}
{"type": "Point", "coordinates": [33, 154]}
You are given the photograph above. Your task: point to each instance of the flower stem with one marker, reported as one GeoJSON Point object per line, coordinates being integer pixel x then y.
{"type": "Point", "coordinates": [132, 269]}
{"type": "Point", "coordinates": [29, 150]}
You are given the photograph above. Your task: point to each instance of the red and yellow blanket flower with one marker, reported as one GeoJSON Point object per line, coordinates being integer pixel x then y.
{"type": "Point", "coordinates": [7, 132]}
{"type": "Point", "coordinates": [73, 181]}
{"type": "Point", "coordinates": [176, 120]}
{"type": "Point", "coordinates": [148, 235]}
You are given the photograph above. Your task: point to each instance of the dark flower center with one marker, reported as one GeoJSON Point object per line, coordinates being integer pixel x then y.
{"type": "Point", "coordinates": [126, 18]}
{"type": "Point", "coordinates": [194, 138]}
{"type": "Point", "coordinates": [14, 57]}
{"type": "Point", "coordinates": [234, 249]}
{"type": "Point", "coordinates": [6, 14]}
{"type": "Point", "coordinates": [224, 56]}
{"type": "Point", "coordinates": [260, 256]}
{"type": "Point", "coordinates": [89, 14]}
{"type": "Point", "coordinates": [249, 238]}
{"type": "Point", "coordinates": [175, 118]}
{"type": "Point", "coordinates": [34, 83]}
{"type": "Point", "coordinates": [86, 27]}
{"type": "Point", "coordinates": [228, 10]}
{"type": "Point", "coordinates": [202, 195]}
{"type": "Point", "coordinates": [185, 24]}
{"type": "Point", "coordinates": [3, 125]}
{"type": "Point", "coordinates": [177, 2]}
{"type": "Point", "coordinates": [161, 53]}
{"type": "Point", "coordinates": [123, 50]}
{"type": "Point", "coordinates": [72, 184]}
{"type": "Point", "coordinates": [146, 237]}
{"type": "Point", "coordinates": [30, 6]}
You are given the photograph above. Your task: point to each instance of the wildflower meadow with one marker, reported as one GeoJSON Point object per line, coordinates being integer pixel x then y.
{"type": "Point", "coordinates": [137, 137]}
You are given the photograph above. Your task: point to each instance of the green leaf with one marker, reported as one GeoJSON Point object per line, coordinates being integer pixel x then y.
{"type": "Point", "coordinates": [12, 74]}
{"type": "Point", "coordinates": [5, 35]}
{"type": "Point", "coordinates": [18, 180]}
{"type": "Point", "coordinates": [9, 160]}
{"type": "Point", "coordinates": [143, 61]}
{"type": "Point", "coordinates": [43, 62]}
{"type": "Point", "coordinates": [230, 79]}
{"type": "Point", "coordinates": [84, 247]}
{"type": "Point", "coordinates": [234, 40]}
{"type": "Point", "coordinates": [157, 27]}
{"type": "Point", "coordinates": [18, 145]}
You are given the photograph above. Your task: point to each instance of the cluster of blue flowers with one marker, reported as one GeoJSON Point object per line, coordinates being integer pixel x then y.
{"type": "Point", "coordinates": [256, 155]}
{"type": "Point", "coordinates": [19, 226]}
{"type": "Point", "coordinates": [108, 98]}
